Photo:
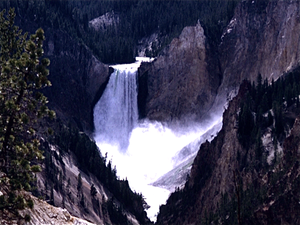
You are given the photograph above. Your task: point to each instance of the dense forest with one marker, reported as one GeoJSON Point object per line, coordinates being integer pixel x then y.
{"type": "Point", "coordinates": [264, 106]}
{"type": "Point", "coordinates": [137, 19]}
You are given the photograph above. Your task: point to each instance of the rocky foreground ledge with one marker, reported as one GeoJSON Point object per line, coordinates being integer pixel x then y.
{"type": "Point", "coordinates": [43, 213]}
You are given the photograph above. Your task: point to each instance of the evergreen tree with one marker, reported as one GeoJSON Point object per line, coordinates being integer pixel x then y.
{"type": "Point", "coordinates": [79, 184]}
{"type": "Point", "coordinates": [51, 196]}
{"type": "Point", "coordinates": [258, 146]}
{"type": "Point", "coordinates": [278, 117]}
{"type": "Point", "coordinates": [93, 191]}
{"type": "Point", "coordinates": [82, 201]}
{"type": "Point", "coordinates": [246, 124]}
{"type": "Point", "coordinates": [23, 72]}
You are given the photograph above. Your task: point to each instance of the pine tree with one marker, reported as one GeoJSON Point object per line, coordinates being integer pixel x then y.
{"type": "Point", "coordinates": [23, 72]}
{"type": "Point", "coordinates": [51, 196]}
{"type": "Point", "coordinates": [82, 201]}
{"type": "Point", "coordinates": [246, 124]}
{"type": "Point", "coordinates": [79, 184]}
{"type": "Point", "coordinates": [278, 117]}
{"type": "Point", "coordinates": [93, 191]}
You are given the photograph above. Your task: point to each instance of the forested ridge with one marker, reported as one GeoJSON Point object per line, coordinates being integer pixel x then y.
{"type": "Point", "coordinates": [265, 105]}
{"type": "Point", "coordinates": [138, 19]}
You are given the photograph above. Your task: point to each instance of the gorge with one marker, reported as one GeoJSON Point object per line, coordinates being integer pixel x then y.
{"type": "Point", "coordinates": [171, 91]}
{"type": "Point", "coordinates": [168, 130]}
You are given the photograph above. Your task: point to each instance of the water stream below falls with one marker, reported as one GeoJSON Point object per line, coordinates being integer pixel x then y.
{"type": "Point", "coordinates": [143, 151]}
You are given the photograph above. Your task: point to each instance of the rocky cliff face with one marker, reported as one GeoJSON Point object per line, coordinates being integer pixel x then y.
{"type": "Point", "coordinates": [212, 172]}
{"type": "Point", "coordinates": [262, 38]}
{"type": "Point", "coordinates": [43, 213]}
{"type": "Point", "coordinates": [190, 76]}
{"type": "Point", "coordinates": [68, 199]}
{"type": "Point", "coordinates": [283, 195]}
{"type": "Point", "coordinates": [226, 184]}
{"type": "Point", "coordinates": [181, 81]}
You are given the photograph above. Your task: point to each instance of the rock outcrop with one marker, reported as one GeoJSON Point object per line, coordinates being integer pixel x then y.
{"type": "Point", "coordinates": [262, 38]}
{"type": "Point", "coordinates": [181, 81]}
{"type": "Point", "coordinates": [101, 23]}
{"type": "Point", "coordinates": [43, 214]}
{"type": "Point", "coordinates": [58, 184]}
{"type": "Point", "coordinates": [212, 172]}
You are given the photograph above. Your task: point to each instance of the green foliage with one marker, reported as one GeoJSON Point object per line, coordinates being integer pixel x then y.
{"type": "Point", "coordinates": [278, 117]}
{"type": "Point", "coordinates": [22, 73]}
{"type": "Point", "coordinates": [246, 123]}
{"type": "Point", "coordinates": [30, 203]}
{"type": "Point", "coordinates": [258, 146]}
{"type": "Point", "coordinates": [82, 201]}
{"type": "Point", "coordinates": [268, 103]}
{"type": "Point", "coordinates": [52, 196]}
{"type": "Point", "coordinates": [115, 213]}
{"type": "Point", "coordinates": [20, 202]}
{"type": "Point", "coordinates": [27, 218]}
{"type": "Point", "coordinates": [93, 191]}
{"type": "Point", "coordinates": [227, 211]}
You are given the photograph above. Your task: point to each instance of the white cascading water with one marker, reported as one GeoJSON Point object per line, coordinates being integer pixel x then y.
{"type": "Point", "coordinates": [116, 112]}
{"type": "Point", "coordinates": [142, 151]}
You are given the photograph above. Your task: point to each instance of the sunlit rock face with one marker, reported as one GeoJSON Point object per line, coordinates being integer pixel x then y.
{"type": "Point", "coordinates": [262, 38]}
{"type": "Point", "coordinates": [101, 23]}
{"type": "Point", "coordinates": [179, 83]}
{"type": "Point", "coordinates": [42, 213]}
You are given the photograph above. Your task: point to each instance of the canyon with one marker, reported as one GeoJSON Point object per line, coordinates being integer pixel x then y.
{"type": "Point", "coordinates": [191, 81]}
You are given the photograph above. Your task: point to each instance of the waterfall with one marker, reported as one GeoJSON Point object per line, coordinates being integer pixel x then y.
{"type": "Point", "coordinates": [143, 151]}
{"type": "Point", "coordinates": [116, 113]}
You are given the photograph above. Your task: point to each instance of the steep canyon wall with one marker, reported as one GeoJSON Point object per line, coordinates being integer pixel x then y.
{"type": "Point", "coordinates": [190, 77]}
{"type": "Point", "coordinates": [262, 38]}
